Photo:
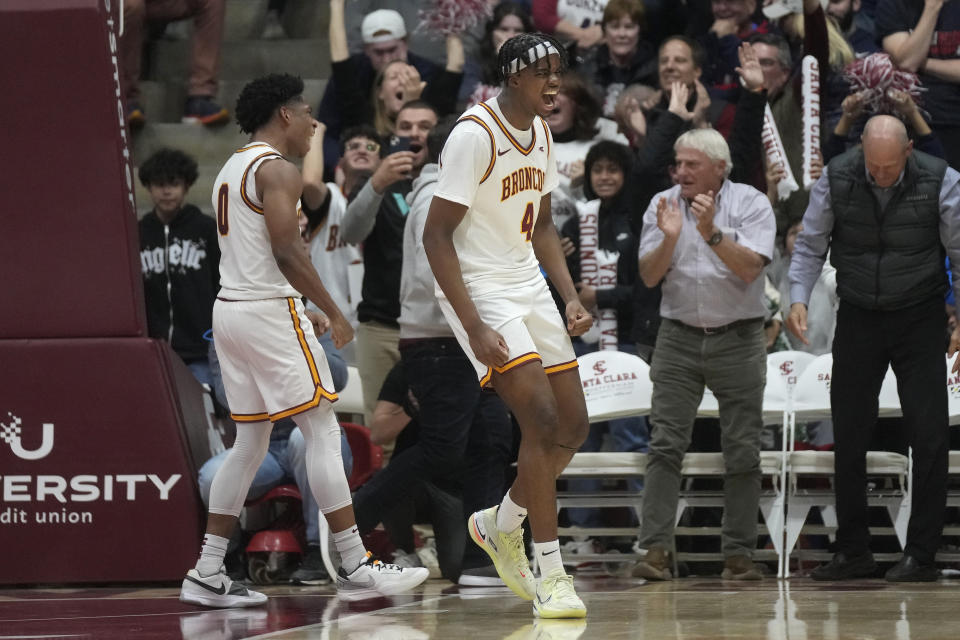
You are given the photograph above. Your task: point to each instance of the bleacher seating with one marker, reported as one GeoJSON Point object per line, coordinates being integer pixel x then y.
{"type": "Point", "coordinates": [245, 56]}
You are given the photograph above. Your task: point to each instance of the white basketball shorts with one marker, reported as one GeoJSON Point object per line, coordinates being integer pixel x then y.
{"type": "Point", "coordinates": [272, 365]}
{"type": "Point", "coordinates": [527, 318]}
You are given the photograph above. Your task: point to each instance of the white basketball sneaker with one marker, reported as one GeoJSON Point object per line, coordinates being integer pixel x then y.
{"type": "Point", "coordinates": [374, 578]}
{"type": "Point", "coordinates": [217, 590]}
{"type": "Point", "coordinates": [505, 549]}
{"type": "Point", "coordinates": [556, 598]}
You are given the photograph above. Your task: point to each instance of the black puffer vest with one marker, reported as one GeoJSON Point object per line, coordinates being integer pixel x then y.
{"type": "Point", "coordinates": [891, 258]}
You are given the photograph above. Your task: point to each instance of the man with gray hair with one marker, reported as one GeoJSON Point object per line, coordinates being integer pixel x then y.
{"type": "Point", "coordinates": [708, 240]}
{"type": "Point", "coordinates": [888, 214]}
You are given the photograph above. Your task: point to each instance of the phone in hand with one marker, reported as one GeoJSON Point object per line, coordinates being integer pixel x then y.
{"type": "Point", "coordinates": [398, 143]}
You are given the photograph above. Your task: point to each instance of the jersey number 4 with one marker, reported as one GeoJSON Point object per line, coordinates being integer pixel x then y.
{"type": "Point", "coordinates": [526, 224]}
{"type": "Point", "coordinates": [223, 223]}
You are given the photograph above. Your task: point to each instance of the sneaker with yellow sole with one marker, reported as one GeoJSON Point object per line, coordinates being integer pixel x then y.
{"type": "Point", "coordinates": [556, 598]}
{"type": "Point", "coordinates": [505, 549]}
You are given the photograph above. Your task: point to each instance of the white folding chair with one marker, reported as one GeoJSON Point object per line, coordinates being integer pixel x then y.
{"type": "Point", "coordinates": [783, 371]}
{"type": "Point", "coordinates": [615, 385]}
{"type": "Point", "coordinates": [811, 401]}
{"type": "Point", "coordinates": [953, 472]}
{"type": "Point", "coordinates": [953, 392]}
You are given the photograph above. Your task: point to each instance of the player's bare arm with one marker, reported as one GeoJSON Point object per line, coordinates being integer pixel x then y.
{"type": "Point", "coordinates": [547, 247]}
{"type": "Point", "coordinates": [444, 217]}
{"type": "Point", "coordinates": [281, 184]}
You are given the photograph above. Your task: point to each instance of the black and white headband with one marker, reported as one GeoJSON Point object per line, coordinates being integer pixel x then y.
{"type": "Point", "coordinates": [537, 52]}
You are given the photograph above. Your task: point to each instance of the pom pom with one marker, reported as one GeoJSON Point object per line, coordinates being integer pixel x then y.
{"type": "Point", "coordinates": [876, 75]}
{"type": "Point", "coordinates": [453, 17]}
{"type": "Point", "coordinates": [482, 93]}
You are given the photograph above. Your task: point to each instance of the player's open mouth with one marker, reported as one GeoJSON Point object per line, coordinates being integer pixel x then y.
{"type": "Point", "coordinates": [550, 100]}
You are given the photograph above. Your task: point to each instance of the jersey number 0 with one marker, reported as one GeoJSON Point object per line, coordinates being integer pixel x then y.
{"type": "Point", "coordinates": [223, 224]}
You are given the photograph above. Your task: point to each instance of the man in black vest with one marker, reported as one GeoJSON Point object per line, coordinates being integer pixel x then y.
{"type": "Point", "coordinates": [888, 215]}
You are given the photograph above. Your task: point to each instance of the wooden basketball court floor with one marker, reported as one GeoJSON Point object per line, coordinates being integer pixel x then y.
{"type": "Point", "coordinates": [690, 608]}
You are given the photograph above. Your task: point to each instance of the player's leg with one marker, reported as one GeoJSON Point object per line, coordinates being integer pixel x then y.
{"type": "Point", "coordinates": [297, 383]}
{"type": "Point", "coordinates": [546, 445]}
{"type": "Point", "coordinates": [549, 335]}
{"type": "Point", "coordinates": [359, 575]}
{"type": "Point", "coordinates": [206, 584]}
{"type": "Point", "coordinates": [497, 530]}
{"type": "Point", "coordinates": [572, 426]}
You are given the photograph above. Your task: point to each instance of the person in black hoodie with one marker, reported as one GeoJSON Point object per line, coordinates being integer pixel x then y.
{"type": "Point", "coordinates": [180, 260]}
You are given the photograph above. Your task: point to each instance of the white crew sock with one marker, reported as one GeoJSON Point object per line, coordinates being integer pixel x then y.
{"type": "Point", "coordinates": [351, 549]}
{"type": "Point", "coordinates": [510, 515]}
{"type": "Point", "coordinates": [548, 557]}
{"type": "Point", "coordinates": [211, 555]}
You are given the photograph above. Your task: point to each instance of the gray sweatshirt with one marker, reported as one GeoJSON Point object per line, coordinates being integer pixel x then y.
{"type": "Point", "coordinates": [420, 315]}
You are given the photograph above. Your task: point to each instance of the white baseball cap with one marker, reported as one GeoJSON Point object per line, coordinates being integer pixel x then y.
{"type": "Point", "coordinates": [382, 25]}
{"type": "Point", "coordinates": [779, 8]}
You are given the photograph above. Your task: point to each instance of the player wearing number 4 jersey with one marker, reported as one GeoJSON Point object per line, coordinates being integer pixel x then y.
{"type": "Point", "coordinates": [488, 233]}
{"type": "Point", "coordinates": [272, 365]}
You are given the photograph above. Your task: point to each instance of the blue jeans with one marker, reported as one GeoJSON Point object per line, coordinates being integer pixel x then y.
{"type": "Point", "coordinates": [626, 434]}
{"type": "Point", "coordinates": [201, 371]}
{"type": "Point", "coordinates": [286, 461]}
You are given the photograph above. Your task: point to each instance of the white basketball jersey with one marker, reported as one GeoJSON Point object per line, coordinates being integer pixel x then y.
{"type": "Point", "coordinates": [248, 270]}
{"type": "Point", "coordinates": [334, 258]}
{"type": "Point", "coordinates": [500, 174]}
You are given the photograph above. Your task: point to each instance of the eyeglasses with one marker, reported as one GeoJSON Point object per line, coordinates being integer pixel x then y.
{"type": "Point", "coordinates": [357, 145]}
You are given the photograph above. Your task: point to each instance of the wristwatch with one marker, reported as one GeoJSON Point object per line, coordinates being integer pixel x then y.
{"type": "Point", "coordinates": [715, 239]}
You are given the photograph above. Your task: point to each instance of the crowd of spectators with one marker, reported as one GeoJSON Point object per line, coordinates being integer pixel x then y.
{"type": "Point", "coordinates": [645, 77]}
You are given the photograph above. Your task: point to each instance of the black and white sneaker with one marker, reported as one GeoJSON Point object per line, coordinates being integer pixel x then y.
{"type": "Point", "coordinates": [217, 590]}
{"type": "Point", "coordinates": [374, 578]}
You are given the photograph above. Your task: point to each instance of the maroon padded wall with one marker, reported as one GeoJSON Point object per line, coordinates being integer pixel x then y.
{"type": "Point", "coordinates": [116, 421]}
{"type": "Point", "coordinates": [68, 236]}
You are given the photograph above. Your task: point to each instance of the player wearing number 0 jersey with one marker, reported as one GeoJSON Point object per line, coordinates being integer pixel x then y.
{"type": "Point", "coordinates": [289, 374]}
{"type": "Point", "coordinates": [488, 233]}
{"type": "Point", "coordinates": [248, 270]}
{"type": "Point", "coordinates": [272, 365]}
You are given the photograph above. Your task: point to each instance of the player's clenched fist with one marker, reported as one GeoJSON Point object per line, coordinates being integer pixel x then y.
{"type": "Point", "coordinates": [340, 331]}
{"type": "Point", "coordinates": [579, 319]}
{"type": "Point", "coordinates": [488, 346]}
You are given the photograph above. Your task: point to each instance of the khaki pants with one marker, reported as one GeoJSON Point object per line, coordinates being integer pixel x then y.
{"type": "Point", "coordinates": [377, 353]}
{"type": "Point", "coordinates": [734, 366]}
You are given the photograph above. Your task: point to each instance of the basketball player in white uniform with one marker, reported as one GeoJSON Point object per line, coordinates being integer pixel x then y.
{"type": "Point", "coordinates": [272, 365]}
{"type": "Point", "coordinates": [488, 233]}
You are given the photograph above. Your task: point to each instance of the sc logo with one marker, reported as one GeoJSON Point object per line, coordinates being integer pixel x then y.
{"type": "Point", "coordinates": [10, 433]}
